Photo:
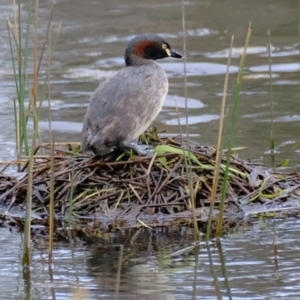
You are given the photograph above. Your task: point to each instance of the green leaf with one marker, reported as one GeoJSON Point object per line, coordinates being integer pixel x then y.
{"type": "Point", "coordinates": [163, 161]}
{"type": "Point", "coordinates": [169, 149]}
{"type": "Point", "coordinates": [284, 163]}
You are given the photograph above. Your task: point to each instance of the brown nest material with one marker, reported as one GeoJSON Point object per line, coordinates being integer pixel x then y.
{"type": "Point", "coordinates": [132, 192]}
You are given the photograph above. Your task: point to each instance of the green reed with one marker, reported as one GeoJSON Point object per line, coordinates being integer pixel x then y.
{"type": "Point", "coordinates": [20, 52]}
{"type": "Point", "coordinates": [215, 183]}
{"type": "Point", "coordinates": [24, 40]}
{"type": "Point", "coordinates": [232, 130]}
{"type": "Point", "coordinates": [19, 47]}
{"type": "Point", "coordinates": [237, 94]}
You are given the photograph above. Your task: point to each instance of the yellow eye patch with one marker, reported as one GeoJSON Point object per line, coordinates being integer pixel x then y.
{"type": "Point", "coordinates": [165, 47]}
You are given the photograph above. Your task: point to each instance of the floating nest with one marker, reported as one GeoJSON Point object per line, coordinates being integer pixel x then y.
{"type": "Point", "coordinates": [171, 187]}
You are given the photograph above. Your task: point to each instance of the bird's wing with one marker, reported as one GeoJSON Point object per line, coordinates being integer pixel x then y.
{"type": "Point", "coordinates": [130, 99]}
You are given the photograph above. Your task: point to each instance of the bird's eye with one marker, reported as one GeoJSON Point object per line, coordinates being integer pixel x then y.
{"type": "Point", "coordinates": [166, 48]}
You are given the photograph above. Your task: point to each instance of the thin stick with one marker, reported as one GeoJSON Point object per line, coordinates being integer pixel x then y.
{"type": "Point", "coordinates": [188, 162]}
{"type": "Point", "coordinates": [220, 141]}
{"type": "Point", "coordinates": [52, 152]}
{"type": "Point", "coordinates": [272, 135]}
{"type": "Point", "coordinates": [232, 131]}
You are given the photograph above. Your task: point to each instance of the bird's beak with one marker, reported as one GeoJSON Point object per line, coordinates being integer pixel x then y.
{"type": "Point", "coordinates": [173, 53]}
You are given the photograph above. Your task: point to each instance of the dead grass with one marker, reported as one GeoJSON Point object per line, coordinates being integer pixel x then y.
{"type": "Point", "coordinates": [140, 192]}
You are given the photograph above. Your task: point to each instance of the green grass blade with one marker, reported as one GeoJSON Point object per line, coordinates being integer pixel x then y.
{"type": "Point", "coordinates": [169, 149]}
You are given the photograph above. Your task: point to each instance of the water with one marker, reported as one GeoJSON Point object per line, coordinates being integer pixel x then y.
{"type": "Point", "coordinates": [90, 48]}
{"type": "Point", "coordinates": [241, 267]}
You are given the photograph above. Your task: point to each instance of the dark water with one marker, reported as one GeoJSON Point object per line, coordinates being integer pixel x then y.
{"type": "Point", "coordinates": [90, 48]}
{"type": "Point", "coordinates": [242, 266]}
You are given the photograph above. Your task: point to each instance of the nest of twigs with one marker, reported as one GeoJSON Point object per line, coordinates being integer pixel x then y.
{"type": "Point", "coordinates": [125, 191]}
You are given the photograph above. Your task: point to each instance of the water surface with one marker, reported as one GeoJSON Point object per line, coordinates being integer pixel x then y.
{"type": "Point", "coordinates": [91, 47]}
{"type": "Point", "coordinates": [241, 266]}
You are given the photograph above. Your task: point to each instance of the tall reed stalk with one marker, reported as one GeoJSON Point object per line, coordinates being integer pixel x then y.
{"type": "Point", "coordinates": [237, 95]}
{"type": "Point", "coordinates": [19, 45]}
{"type": "Point", "coordinates": [272, 137]}
{"type": "Point", "coordinates": [226, 171]}
{"type": "Point", "coordinates": [187, 158]}
{"type": "Point", "coordinates": [219, 146]}
{"type": "Point", "coordinates": [51, 136]}
{"type": "Point", "coordinates": [299, 29]}
{"type": "Point", "coordinates": [27, 235]}
{"type": "Point", "coordinates": [22, 40]}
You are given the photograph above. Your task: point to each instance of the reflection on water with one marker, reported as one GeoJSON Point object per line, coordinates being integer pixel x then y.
{"type": "Point", "coordinates": [240, 266]}
{"type": "Point", "coordinates": [91, 47]}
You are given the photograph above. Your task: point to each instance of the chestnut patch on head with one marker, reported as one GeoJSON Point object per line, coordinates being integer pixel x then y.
{"type": "Point", "coordinates": [143, 48]}
{"type": "Point", "coordinates": [149, 50]}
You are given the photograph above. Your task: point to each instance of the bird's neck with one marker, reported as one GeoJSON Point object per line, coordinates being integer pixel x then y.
{"type": "Point", "coordinates": [134, 60]}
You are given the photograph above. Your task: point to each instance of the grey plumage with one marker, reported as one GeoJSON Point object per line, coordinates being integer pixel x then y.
{"type": "Point", "coordinates": [125, 105]}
